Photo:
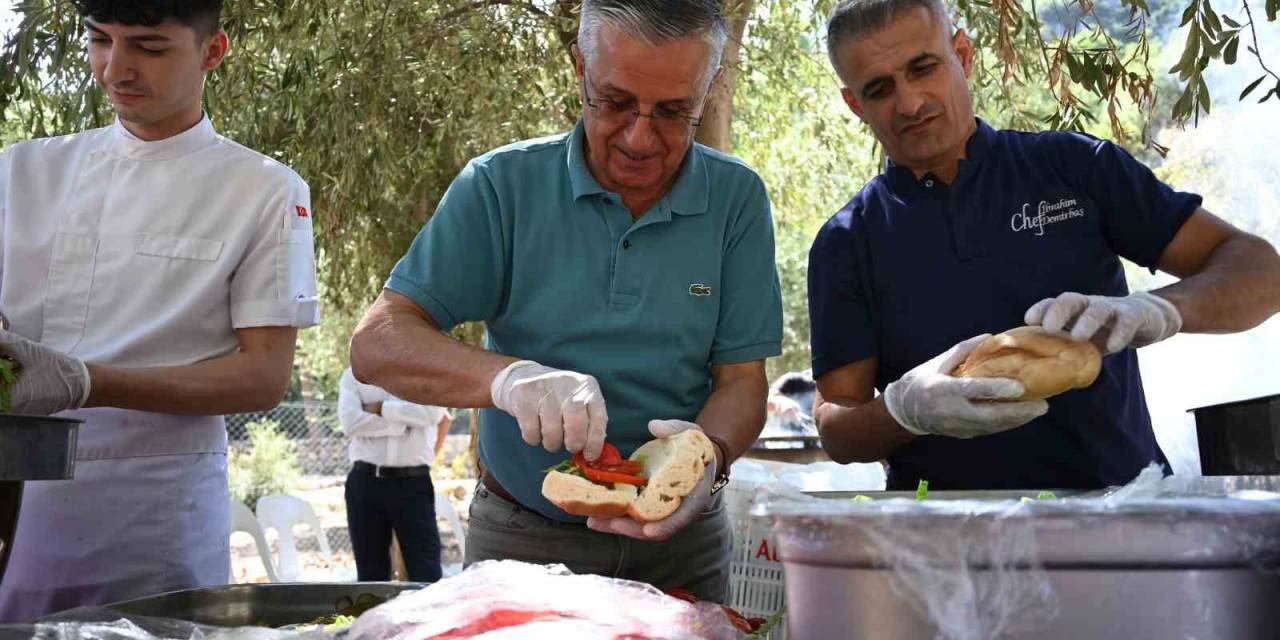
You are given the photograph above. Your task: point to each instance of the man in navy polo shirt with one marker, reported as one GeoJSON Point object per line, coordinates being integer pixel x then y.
{"type": "Point", "coordinates": [970, 231]}
{"type": "Point", "coordinates": [617, 262]}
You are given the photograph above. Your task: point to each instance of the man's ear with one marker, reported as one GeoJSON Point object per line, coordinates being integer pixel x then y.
{"type": "Point", "coordinates": [215, 51]}
{"type": "Point", "coordinates": [852, 101]}
{"type": "Point", "coordinates": [715, 78]}
{"type": "Point", "coordinates": [578, 65]}
{"type": "Point", "coordinates": [963, 47]}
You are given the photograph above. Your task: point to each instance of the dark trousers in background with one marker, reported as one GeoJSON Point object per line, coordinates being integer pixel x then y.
{"type": "Point", "coordinates": [378, 506]}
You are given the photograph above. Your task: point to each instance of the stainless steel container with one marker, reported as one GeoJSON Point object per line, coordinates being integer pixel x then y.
{"type": "Point", "coordinates": [1191, 567]}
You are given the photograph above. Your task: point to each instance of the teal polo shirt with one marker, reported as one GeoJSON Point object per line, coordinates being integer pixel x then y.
{"type": "Point", "coordinates": [526, 241]}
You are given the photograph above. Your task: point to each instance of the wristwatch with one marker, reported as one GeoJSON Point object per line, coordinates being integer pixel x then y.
{"type": "Point", "coordinates": [722, 462]}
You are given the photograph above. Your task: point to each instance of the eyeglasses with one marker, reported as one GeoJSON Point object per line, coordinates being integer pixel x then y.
{"type": "Point", "coordinates": [625, 112]}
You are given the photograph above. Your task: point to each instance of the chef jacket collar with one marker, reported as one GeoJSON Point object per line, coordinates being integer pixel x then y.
{"type": "Point", "coordinates": [187, 142]}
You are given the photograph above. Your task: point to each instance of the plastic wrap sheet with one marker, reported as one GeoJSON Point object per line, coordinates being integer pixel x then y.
{"type": "Point", "coordinates": [507, 599]}
{"type": "Point", "coordinates": [977, 568]}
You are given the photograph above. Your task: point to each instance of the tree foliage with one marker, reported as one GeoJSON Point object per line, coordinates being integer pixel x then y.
{"type": "Point", "coordinates": [378, 104]}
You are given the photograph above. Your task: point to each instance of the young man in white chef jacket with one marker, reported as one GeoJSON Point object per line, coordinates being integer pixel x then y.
{"type": "Point", "coordinates": [154, 277]}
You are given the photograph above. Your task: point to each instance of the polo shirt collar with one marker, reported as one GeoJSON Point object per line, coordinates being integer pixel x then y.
{"type": "Point", "coordinates": [979, 144]}
{"type": "Point", "coordinates": [580, 178]}
{"type": "Point", "coordinates": [688, 195]}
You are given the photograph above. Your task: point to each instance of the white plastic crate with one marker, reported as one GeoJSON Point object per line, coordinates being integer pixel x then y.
{"type": "Point", "coordinates": [756, 587]}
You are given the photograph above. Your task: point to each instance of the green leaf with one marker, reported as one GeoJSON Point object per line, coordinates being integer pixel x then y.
{"type": "Point", "coordinates": [1188, 14]}
{"type": "Point", "coordinates": [1273, 7]}
{"type": "Point", "coordinates": [1229, 55]}
{"type": "Point", "coordinates": [1210, 20]}
{"type": "Point", "coordinates": [1252, 85]}
{"type": "Point", "coordinates": [1190, 52]}
{"type": "Point", "coordinates": [1231, 23]}
{"type": "Point", "coordinates": [565, 466]}
{"type": "Point", "coordinates": [1182, 107]}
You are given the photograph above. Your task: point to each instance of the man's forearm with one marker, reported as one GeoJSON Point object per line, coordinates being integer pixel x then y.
{"type": "Point", "coordinates": [238, 383]}
{"type": "Point", "coordinates": [735, 413]}
{"type": "Point", "coordinates": [402, 352]}
{"type": "Point", "coordinates": [862, 433]}
{"type": "Point", "coordinates": [1238, 288]}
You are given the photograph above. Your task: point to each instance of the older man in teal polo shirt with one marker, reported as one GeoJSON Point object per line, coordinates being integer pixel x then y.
{"type": "Point", "coordinates": [626, 279]}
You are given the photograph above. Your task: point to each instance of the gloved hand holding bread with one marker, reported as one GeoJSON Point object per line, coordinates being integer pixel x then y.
{"type": "Point", "coordinates": [988, 384]}
{"type": "Point", "coordinates": [662, 487]}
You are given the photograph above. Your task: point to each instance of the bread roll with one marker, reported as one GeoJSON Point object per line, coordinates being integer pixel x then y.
{"type": "Point", "coordinates": [582, 497]}
{"type": "Point", "coordinates": [674, 466]}
{"type": "Point", "coordinates": [1046, 364]}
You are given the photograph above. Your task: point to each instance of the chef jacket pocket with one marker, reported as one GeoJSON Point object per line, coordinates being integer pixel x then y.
{"type": "Point", "coordinates": [176, 247]}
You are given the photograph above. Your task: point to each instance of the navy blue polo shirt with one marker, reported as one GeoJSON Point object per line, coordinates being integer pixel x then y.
{"type": "Point", "coordinates": [911, 267]}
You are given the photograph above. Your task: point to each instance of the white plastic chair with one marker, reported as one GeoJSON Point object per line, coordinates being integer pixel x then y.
{"type": "Point", "coordinates": [242, 519]}
{"type": "Point", "coordinates": [445, 508]}
{"type": "Point", "coordinates": [281, 512]}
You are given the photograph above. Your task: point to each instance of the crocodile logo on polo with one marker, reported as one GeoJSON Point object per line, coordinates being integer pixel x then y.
{"type": "Point", "coordinates": [699, 290]}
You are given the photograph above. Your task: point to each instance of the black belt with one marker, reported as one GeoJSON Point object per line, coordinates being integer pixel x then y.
{"type": "Point", "coordinates": [393, 472]}
{"type": "Point", "coordinates": [491, 483]}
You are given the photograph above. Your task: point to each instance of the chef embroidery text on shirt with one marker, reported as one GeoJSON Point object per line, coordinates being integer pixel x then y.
{"type": "Point", "coordinates": [1046, 213]}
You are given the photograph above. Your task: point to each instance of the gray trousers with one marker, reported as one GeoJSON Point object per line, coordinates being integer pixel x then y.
{"type": "Point", "coordinates": [696, 558]}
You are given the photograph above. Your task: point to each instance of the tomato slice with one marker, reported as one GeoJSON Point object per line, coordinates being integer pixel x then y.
{"type": "Point", "coordinates": [682, 594]}
{"type": "Point", "coordinates": [610, 467]}
{"type": "Point", "coordinates": [600, 475]}
{"type": "Point", "coordinates": [633, 467]}
{"type": "Point", "coordinates": [498, 619]}
{"type": "Point", "coordinates": [737, 619]}
{"type": "Point", "coordinates": [609, 456]}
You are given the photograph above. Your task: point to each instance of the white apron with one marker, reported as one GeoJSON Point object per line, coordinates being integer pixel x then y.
{"type": "Point", "coordinates": [137, 520]}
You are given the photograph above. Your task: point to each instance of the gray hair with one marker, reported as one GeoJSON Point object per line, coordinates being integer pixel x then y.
{"type": "Point", "coordinates": [852, 19]}
{"type": "Point", "coordinates": [654, 21]}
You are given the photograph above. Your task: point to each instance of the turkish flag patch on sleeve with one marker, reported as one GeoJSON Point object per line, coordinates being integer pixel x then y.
{"type": "Point", "coordinates": [302, 211]}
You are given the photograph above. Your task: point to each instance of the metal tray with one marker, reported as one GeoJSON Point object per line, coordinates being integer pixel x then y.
{"type": "Point", "coordinates": [1000, 494]}
{"type": "Point", "coordinates": [262, 605]}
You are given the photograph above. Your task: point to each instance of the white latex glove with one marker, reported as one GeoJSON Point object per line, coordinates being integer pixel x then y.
{"type": "Point", "coordinates": [928, 400]}
{"type": "Point", "coordinates": [50, 381]}
{"type": "Point", "coordinates": [554, 408]}
{"type": "Point", "coordinates": [1135, 320]}
{"type": "Point", "coordinates": [690, 507]}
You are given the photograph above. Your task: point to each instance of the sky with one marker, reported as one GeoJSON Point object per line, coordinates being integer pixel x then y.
{"type": "Point", "coordinates": [8, 20]}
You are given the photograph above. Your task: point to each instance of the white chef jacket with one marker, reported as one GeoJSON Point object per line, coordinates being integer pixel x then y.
{"type": "Point", "coordinates": [151, 253]}
{"type": "Point", "coordinates": [136, 253]}
{"type": "Point", "coordinates": [403, 436]}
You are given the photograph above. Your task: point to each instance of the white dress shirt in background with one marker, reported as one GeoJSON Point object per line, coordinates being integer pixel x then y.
{"type": "Point", "coordinates": [403, 436]}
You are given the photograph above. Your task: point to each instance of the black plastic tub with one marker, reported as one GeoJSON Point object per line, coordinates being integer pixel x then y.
{"type": "Point", "coordinates": [1240, 438]}
{"type": "Point", "coordinates": [31, 448]}
{"type": "Point", "coordinates": [37, 447]}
